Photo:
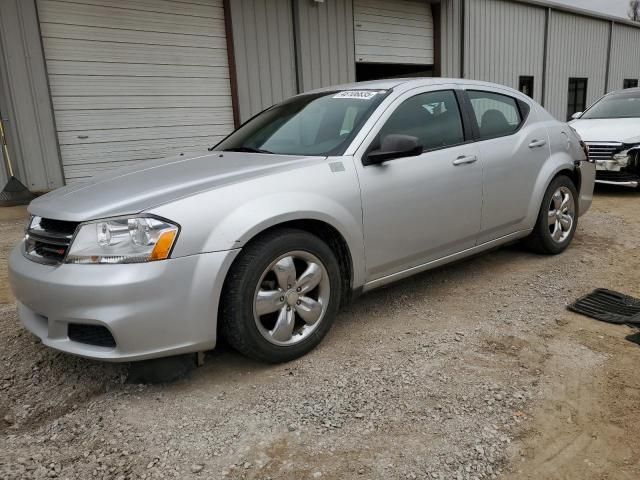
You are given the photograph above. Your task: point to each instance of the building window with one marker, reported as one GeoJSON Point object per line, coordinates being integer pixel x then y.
{"type": "Point", "coordinates": [630, 83]}
{"type": "Point", "coordinates": [525, 85]}
{"type": "Point", "coordinates": [577, 96]}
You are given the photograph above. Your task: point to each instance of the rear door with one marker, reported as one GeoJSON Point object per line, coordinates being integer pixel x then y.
{"type": "Point", "coordinates": [513, 146]}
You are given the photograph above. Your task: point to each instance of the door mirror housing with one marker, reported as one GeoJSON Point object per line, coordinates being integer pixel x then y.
{"type": "Point", "coordinates": [576, 115]}
{"type": "Point", "coordinates": [393, 146]}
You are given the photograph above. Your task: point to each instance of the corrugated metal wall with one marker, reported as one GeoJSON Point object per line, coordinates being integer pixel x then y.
{"type": "Point", "coordinates": [133, 80]}
{"type": "Point", "coordinates": [324, 43]}
{"type": "Point", "coordinates": [393, 31]}
{"type": "Point", "coordinates": [264, 53]}
{"type": "Point", "coordinates": [577, 48]}
{"type": "Point", "coordinates": [503, 41]}
{"type": "Point", "coordinates": [26, 105]}
{"type": "Point", "coordinates": [625, 55]}
{"type": "Point", "coordinates": [450, 37]}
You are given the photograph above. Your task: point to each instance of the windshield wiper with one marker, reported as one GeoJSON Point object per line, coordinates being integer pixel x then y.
{"type": "Point", "coordinates": [246, 149]}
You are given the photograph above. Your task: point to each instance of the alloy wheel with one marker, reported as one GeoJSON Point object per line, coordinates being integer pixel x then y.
{"type": "Point", "coordinates": [291, 298]}
{"type": "Point", "coordinates": [561, 214]}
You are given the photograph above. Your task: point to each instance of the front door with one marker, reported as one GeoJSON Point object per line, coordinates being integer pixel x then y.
{"type": "Point", "coordinates": [421, 208]}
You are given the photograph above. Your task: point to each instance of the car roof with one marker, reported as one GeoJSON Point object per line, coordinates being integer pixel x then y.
{"type": "Point", "coordinates": [408, 83]}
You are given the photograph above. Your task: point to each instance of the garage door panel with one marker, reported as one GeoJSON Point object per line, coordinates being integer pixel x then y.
{"type": "Point", "coordinates": [396, 7]}
{"type": "Point", "coordinates": [91, 51]}
{"type": "Point", "coordinates": [135, 80]}
{"type": "Point", "coordinates": [398, 30]}
{"type": "Point", "coordinates": [78, 32]}
{"type": "Point", "coordinates": [115, 101]}
{"type": "Point", "coordinates": [388, 31]}
{"type": "Point", "coordinates": [393, 40]}
{"type": "Point", "coordinates": [65, 67]}
{"type": "Point", "coordinates": [51, 11]}
{"type": "Point", "coordinates": [376, 17]}
{"type": "Point", "coordinates": [152, 133]}
{"type": "Point", "coordinates": [380, 58]}
{"type": "Point", "coordinates": [72, 120]}
{"type": "Point", "coordinates": [134, 150]}
{"type": "Point", "coordinates": [213, 10]}
{"type": "Point", "coordinates": [405, 52]}
{"type": "Point", "coordinates": [77, 85]}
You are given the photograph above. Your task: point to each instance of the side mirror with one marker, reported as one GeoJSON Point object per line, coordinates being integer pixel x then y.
{"type": "Point", "coordinates": [393, 146]}
{"type": "Point", "coordinates": [576, 115]}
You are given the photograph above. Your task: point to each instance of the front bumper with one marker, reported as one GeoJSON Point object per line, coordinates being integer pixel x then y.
{"type": "Point", "coordinates": [613, 172]}
{"type": "Point", "coordinates": [151, 309]}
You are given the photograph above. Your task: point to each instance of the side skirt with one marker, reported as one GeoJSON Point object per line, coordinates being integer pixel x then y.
{"type": "Point", "coordinates": [379, 282]}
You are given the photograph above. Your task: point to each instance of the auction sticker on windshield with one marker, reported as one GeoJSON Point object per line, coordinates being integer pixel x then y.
{"type": "Point", "coordinates": [358, 94]}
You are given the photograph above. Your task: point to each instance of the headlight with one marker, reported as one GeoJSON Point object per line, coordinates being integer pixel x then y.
{"type": "Point", "coordinates": [123, 240]}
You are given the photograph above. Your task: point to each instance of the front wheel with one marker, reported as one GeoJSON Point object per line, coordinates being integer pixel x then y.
{"type": "Point", "coordinates": [281, 296]}
{"type": "Point", "coordinates": [557, 219]}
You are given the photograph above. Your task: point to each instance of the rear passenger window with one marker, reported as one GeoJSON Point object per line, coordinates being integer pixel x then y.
{"type": "Point", "coordinates": [433, 118]}
{"type": "Point", "coordinates": [497, 115]}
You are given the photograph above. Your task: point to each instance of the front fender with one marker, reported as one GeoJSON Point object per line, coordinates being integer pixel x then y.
{"type": "Point", "coordinates": [227, 218]}
{"type": "Point", "coordinates": [245, 222]}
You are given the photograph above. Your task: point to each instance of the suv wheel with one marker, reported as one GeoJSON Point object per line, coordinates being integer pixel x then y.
{"type": "Point", "coordinates": [281, 296]}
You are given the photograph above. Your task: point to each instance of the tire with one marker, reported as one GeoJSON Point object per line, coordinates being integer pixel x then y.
{"type": "Point", "coordinates": [247, 322]}
{"type": "Point", "coordinates": [546, 238]}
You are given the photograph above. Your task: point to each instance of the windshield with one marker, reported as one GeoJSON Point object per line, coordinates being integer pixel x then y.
{"type": "Point", "coordinates": [316, 124]}
{"type": "Point", "coordinates": [617, 105]}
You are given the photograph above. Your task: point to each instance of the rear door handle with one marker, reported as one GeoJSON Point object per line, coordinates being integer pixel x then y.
{"type": "Point", "coordinates": [463, 160]}
{"type": "Point", "coordinates": [537, 143]}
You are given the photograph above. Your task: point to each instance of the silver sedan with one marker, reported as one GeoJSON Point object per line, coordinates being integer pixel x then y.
{"type": "Point", "coordinates": [315, 200]}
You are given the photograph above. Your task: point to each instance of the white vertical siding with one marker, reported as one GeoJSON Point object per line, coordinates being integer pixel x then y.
{"type": "Point", "coordinates": [24, 99]}
{"type": "Point", "coordinates": [134, 79]}
{"type": "Point", "coordinates": [393, 31]}
{"type": "Point", "coordinates": [625, 55]}
{"type": "Point", "coordinates": [324, 43]}
{"type": "Point", "coordinates": [503, 41]}
{"type": "Point", "coordinates": [577, 48]}
{"type": "Point", "coordinates": [450, 37]}
{"type": "Point", "coordinates": [264, 53]}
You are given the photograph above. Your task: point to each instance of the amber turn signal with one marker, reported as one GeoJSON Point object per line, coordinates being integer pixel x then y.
{"type": "Point", "coordinates": [163, 246]}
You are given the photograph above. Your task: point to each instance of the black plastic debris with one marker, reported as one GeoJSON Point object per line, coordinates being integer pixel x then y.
{"type": "Point", "coordinates": [15, 193]}
{"type": "Point", "coordinates": [608, 306]}
{"type": "Point", "coordinates": [635, 338]}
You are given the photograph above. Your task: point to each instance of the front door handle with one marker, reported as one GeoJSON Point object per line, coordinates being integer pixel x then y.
{"type": "Point", "coordinates": [463, 160]}
{"type": "Point", "coordinates": [537, 143]}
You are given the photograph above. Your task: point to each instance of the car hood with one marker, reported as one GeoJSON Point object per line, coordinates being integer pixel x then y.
{"type": "Point", "coordinates": [625, 130]}
{"type": "Point", "coordinates": [155, 182]}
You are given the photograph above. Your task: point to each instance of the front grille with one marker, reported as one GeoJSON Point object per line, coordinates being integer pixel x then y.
{"type": "Point", "coordinates": [603, 150]}
{"type": "Point", "coordinates": [91, 335]}
{"type": "Point", "coordinates": [48, 240]}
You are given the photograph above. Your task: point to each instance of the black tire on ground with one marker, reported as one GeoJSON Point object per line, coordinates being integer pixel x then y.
{"type": "Point", "coordinates": [237, 322]}
{"type": "Point", "coordinates": [540, 240]}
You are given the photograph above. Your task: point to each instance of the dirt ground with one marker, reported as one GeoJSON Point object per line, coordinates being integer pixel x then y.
{"type": "Point", "coordinates": [472, 371]}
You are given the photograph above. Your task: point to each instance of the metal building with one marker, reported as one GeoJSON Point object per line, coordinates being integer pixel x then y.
{"type": "Point", "coordinates": [87, 86]}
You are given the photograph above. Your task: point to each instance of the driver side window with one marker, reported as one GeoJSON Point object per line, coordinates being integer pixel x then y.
{"type": "Point", "coordinates": [433, 118]}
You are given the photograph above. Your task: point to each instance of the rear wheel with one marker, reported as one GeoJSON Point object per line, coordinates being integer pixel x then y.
{"type": "Point", "coordinates": [281, 296]}
{"type": "Point", "coordinates": [558, 218]}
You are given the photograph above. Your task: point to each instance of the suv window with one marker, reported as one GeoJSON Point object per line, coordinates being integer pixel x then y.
{"type": "Point", "coordinates": [497, 115]}
{"type": "Point", "coordinates": [433, 118]}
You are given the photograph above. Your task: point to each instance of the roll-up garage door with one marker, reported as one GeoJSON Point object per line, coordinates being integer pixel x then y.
{"type": "Point", "coordinates": [133, 80]}
{"type": "Point", "coordinates": [393, 31]}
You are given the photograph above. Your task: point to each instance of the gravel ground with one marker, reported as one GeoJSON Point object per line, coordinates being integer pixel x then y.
{"type": "Point", "coordinates": [472, 371]}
